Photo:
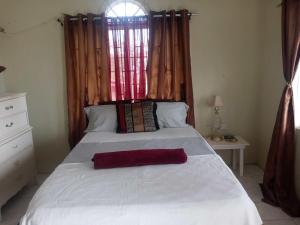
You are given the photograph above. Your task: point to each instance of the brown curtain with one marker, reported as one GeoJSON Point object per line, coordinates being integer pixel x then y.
{"type": "Point", "coordinates": [169, 64]}
{"type": "Point", "coordinates": [279, 185]}
{"type": "Point", "coordinates": [88, 72]}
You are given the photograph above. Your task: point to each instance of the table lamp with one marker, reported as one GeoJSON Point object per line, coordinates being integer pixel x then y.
{"type": "Point", "coordinates": [217, 120]}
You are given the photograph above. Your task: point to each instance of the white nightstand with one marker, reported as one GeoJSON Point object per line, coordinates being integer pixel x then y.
{"type": "Point", "coordinates": [239, 145]}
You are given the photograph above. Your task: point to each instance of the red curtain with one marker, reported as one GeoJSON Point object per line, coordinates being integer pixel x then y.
{"type": "Point", "coordinates": [279, 185]}
{"type": "Point", "coordinates": [128, 39]}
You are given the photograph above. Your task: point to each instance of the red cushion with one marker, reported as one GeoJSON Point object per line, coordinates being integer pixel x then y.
{"type": "Point", "coordinates": [139, 158]}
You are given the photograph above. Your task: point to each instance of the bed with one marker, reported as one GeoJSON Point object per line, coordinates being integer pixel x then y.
{"type": "Point", "coordinates": [203, 191]}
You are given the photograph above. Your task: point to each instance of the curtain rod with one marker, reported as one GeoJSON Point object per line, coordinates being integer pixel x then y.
{"type": "Point", "coordinates": [60, 20]}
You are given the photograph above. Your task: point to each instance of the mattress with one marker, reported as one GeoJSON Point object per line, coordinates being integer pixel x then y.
{"type": "Point", "coordinates": [201, 191]}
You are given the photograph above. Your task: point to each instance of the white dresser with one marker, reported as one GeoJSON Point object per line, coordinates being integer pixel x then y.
{"type": "Point", "coordinates": [17, 161]}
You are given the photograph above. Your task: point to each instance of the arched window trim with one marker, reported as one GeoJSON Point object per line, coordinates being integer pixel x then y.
{"type": "Point", "coordinates": [110, 8]}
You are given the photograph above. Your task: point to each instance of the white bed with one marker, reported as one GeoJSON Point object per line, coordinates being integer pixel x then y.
{"type": "Point", "coordinates": [202, 191]}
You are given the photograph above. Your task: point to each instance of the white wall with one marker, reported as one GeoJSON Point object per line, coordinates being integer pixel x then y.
{"type": "Point", "coordinates": [2, 83]}
{"type": "Point", "coordinates": [225, 49]}
{"type": "Point", "coordinates": [272, 81]}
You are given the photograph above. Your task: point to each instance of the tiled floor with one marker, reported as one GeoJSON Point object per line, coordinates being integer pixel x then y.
{"type": "Point", "coordinates": [16, 207]}
{"type": "Point", "coordinates": [269, 214]}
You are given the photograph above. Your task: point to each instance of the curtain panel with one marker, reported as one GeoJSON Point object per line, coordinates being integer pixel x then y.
{"type": "Point", "coordinates": [279, 181]}
{"type": "Point", "coordinates": [88, 69]}
{"type": "Point", "coordinates": [128, 37]}
{"type": "Point", "coordinates": [169, 63]}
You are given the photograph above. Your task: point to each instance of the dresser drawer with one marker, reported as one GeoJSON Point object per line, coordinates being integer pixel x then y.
{"type": "Point", "coordinates": [13, 166]}
{"type": "Point", "coordinates": [12, 123]}
{"type": "Point", "coordinates": [13, 147]}
{"type": "Point", "coordinates": [12, 106]}
{"type": "Point", "coordinates": [16, 173]}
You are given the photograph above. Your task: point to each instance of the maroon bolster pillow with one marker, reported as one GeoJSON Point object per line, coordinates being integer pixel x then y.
{"type": "Point", "coordinates": [139, 158]}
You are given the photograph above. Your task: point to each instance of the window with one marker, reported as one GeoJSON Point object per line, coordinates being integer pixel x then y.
{"type": "Point", "coordinates": [296, 90]}
{"type": "Point", "coordinates": [125, 8]}
{"type": "Point", "coordinates": [128, 40]}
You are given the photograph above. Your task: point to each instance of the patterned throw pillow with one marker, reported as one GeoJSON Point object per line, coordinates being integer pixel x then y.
{"type": "Point", "coordinates": [137, 117]}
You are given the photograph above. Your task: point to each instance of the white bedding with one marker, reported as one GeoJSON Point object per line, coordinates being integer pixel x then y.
{"type": "Point", "coordinates": [164, 133]}
{"type": "Point", "coordinates": [202, 191]}
{"type": "Point", "coordinates": [96, 142]}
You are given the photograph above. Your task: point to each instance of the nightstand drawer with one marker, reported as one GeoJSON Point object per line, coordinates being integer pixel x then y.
{"type": "Point", "coordinates": [12, 106]}
{"type": "Point", "coordinates": [12, 123]}
{"type": "Point", "coordinates": [13, 147]}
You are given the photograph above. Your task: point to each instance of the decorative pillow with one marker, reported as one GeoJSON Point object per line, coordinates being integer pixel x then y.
{"type": "Point", "coordinates": [101, 118]}
{"type": "Point", "coordinates": [172, 114]}
{"type": "Point", "coordinates": [137, 117]}
{"type": "Point", "coordinates": [139, 158]}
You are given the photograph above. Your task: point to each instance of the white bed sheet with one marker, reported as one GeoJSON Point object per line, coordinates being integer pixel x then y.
{"type": "Point", "coordinates": [168, 138]}
{"type": "Point", "coordinates": [202, 191]}
{"type": "Point", "coordinates": [164, 133]}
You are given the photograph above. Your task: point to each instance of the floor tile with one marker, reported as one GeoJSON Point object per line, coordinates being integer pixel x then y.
{"type": "Point", "coordinates": [16, 207]}
{"type": "Point", "coordinates": [280, 222]}
{"type": "Point", "coordinates": [268, 212]}
{"type": "Point", "coordinates": [297, 221]}
{"type": "Point", "coordinates": [41, 178]}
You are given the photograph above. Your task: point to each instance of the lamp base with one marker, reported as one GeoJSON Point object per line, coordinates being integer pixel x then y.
{"type": "Point", "coordinates": [216, 137]}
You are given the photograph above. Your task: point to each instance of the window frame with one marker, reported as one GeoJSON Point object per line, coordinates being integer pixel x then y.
{"type": "Point", "coordinates": [296, 97]}
{"type": "Point", "coordinates": [117, 2]}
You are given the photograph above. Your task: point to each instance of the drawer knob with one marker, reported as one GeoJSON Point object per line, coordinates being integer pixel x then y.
{"type": "Point", "coordinates": [9, 107]}
{"type": "Point", "coordinates": [9, 125]}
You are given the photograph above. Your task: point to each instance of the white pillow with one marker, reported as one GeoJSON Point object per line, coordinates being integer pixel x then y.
{"type": "Point", "coordinates": [101, 118]}
{"type": "Point", "coordinates": [172, 114]}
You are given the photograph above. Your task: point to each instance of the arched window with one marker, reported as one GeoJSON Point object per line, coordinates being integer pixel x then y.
{"type": "Point", "coordinates": [125, 8]}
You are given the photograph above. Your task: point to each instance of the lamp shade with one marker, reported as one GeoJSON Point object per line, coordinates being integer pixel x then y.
{"type": "Point", "coordinates": [2, 68]}
{"type": "Point", "coordinates": [217, 101]}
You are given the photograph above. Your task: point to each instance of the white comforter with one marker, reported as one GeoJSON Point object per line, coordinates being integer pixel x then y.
{"type": "Point", "coordinates": [202, 191]}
